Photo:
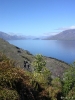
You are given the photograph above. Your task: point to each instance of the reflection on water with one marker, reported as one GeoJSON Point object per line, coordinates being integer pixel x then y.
{"type": "Point", "coordinates": [70, 45]}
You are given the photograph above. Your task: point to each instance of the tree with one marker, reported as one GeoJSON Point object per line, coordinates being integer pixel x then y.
{"type": "Point", "coordinates": [39, 63]}
{"type": "Point", "coordinates": [68, 80]}
{"type": "Point", "coordinates": [40, 72]}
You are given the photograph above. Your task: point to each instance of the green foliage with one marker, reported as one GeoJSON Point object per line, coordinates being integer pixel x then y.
{"type": "Point", "coordinates": [6, 94]}
{"type": "Point", "coordinates": [73, 64]}
{"type": "Point", "coordinates": [38, 63]}
{"type": "Point", "coordinates": [15, 83]}
{"type": "Point", "coordinates": [56, 82]}
{"type": "Point", "coordinates": [55, 89]}
{"type": "Point", "coordinates": [41, 74]}
{"type": "Point", "coordinates": [53, 92]}
{"type": "Point", "coordinates": [11, 78]}
{"type": "Point", "coordinates": [68, 80]}
{"type": "Point", "coordinates": [71, 94]}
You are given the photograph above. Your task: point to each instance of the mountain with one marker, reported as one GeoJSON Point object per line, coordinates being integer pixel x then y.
{"type": "Point", "coordinates": [6, 36]}
{"type": "Point", "coordinates": [65, 35]}
{"type": "Point", "coordinates": [19, 55]}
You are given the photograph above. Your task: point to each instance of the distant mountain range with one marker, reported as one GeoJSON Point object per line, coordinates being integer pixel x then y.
{"type": "Point", "coordinates": [65, 35]}
{"type": "Point", "coordinates": [6, 36]}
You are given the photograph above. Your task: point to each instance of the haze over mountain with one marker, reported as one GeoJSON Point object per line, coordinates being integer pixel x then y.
{"type": "Point", "coordinates": [6, 36]}
{"type": "Point", "coordinates": [65, 35]}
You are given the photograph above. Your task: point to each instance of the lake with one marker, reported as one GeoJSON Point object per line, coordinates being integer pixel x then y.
{"type": "Point", "coordinates": [62, 50]}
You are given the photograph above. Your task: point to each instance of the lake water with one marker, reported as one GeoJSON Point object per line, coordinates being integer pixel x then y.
{"type": "Point", "coordinates": [62, 50]}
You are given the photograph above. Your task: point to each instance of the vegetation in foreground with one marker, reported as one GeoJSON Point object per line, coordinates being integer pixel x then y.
{"type": "Point", "coordinates": [17, 84]}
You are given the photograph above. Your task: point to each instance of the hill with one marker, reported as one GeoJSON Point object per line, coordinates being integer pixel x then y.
{"type": "Point", "coordinates": [65, 35]}
{"type": "Point", "coordinates": [19, 56]}
{"type": "Point", "coordinates": [6, 36]}
{"type": "Point", "coordinates": [19, 84]}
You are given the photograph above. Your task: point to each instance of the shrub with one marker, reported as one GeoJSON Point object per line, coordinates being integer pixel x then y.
{"type": "Point", "coordinates": [6, 94]}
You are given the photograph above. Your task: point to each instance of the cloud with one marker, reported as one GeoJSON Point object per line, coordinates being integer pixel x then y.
{"type": "Point", "coordinates": [72, 27]}
{"type": "Point", "coordinates": [62, 28]}
{"type": "Point", "coordinates": [59, 30]}
{"type": "Point", "coordinates": [50, 33]}
{"type": "Point", "coordinates": [66, 28]}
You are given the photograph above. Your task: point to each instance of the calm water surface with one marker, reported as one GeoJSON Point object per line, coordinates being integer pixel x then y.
{"type": "Point", "coordinates": [62, 50]}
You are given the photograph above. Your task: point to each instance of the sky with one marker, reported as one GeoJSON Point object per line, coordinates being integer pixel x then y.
{"type": "Point", "coordinates": [36, 17]}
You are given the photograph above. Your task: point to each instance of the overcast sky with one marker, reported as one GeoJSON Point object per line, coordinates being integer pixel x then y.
{"type": "Point", "coordinates": [36, 17]}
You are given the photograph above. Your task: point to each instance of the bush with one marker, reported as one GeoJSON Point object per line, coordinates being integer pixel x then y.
{"type": "Point", "coordinates": [6, 94]}
{"type": "Point", "coordinates": [68, 80]}
{"type": "Point", "coordinates": [16, 84]}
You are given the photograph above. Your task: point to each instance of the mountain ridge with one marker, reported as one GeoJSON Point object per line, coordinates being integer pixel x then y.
{"type": "Point", "coordinates": [64, 35]}
{"type": "Point", "coordinates": [6, 36]}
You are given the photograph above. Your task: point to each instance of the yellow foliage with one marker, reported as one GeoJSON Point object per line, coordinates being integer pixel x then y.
{"type": "Point", "coordinates": [53, 92]}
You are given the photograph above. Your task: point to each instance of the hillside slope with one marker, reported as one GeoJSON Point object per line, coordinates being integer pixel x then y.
{"type": "Point", "coordinates": [19, 56]}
